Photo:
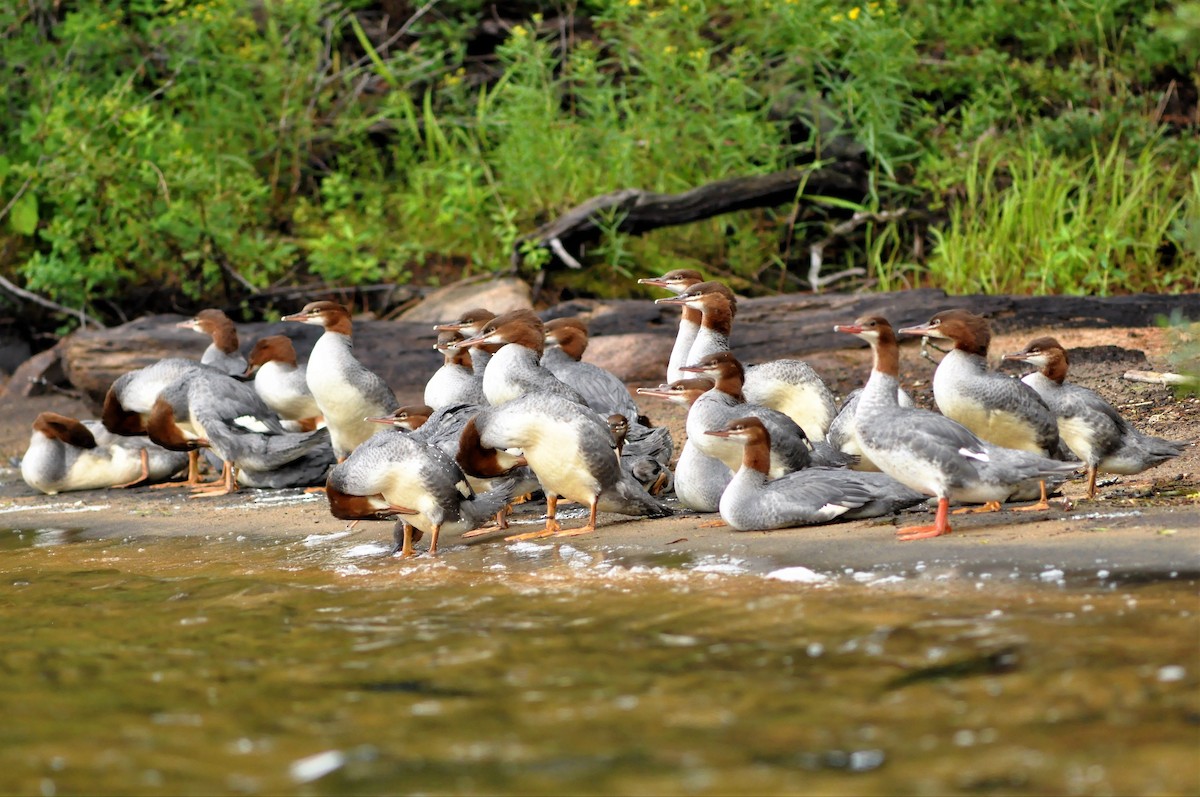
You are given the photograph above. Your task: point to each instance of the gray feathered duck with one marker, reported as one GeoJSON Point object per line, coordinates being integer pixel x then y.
{"type": "Point", "coordinates": [222, 353]}
{"type": "Point", "coordinates": [652, 472]}
{"type": "Point", "coordinates": [1091, 427]}
{"type": "Point", "coordinates": [570, 450]}
{"type": "Point", "coordinates": [68, 454]}
{"type": "Point", "coordinates": [929, 452]}
{"type": "Point", "coordinates": [788, 385]}
{"type": "Point", "coordinates": [714, 409]}
{"type": "Point", "coordinates": [840, 436]}
{"type": "Point", "coordinates": [994, 406]}
{"type": "Point", "coordinates": [755, 502]}
{"type": "Point", "coordinates": [515, 369]}
{"type": "Point", "coordinates": [699, 479]}
{"type": "Point", "coordinates": [396, 475]}
{"type": "Point", "coordinates": [468, 324]}
{"type": "Point", "coordinates": [207, 409]}
{"type": "Point", "coordinates": [346, 391]}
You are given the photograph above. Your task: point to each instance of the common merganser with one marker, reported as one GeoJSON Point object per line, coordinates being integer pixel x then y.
{"type": "Point", "coordinates": [603, 391]}
{"type": "Point", "coordinates": [996, 407]}
{"type": "Point", "coordinates": [455, 382]}
{"type": "Point", "coordinates": [699, 479]}
{"type": "Point", "coordinates": [207, 409]}
{"type": "Point", "coordinates": [222, 353]}
{"type": "Point", "coordinates": [569, 449]}
{"type": "Point", "coordinates": [345, 390]}
{"type": "Point", "coordinates": [788, 385]}
{"type": "Point", "coordinates": [678, 281]}
{"type": "Point", "coordinates": [396, 474]}
{"type": "Point", "coordinates": [67, 454]}
{"type": "Point", "coordinates": [1090, 426]}
{"type": "Point", "coordinates": [840, 436]}
{"type": "Point", "coordinates": [755, 502]}
{"type": "Point", "coordinates": [281, 382]}
{"type": "Point", "coordinates": [724, 402]}
{"type": "Point", "coordinates": [468, 325]}
{"type": "Point", "coordinates": [927, 451]}
{"type": "Point", "coordinates": [515, 370]}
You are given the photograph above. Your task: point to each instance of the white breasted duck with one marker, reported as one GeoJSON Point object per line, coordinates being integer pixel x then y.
{"type": "Point", "coordinates": [569, 449]}
{"type": "Point", "coordinates": [699, 478]}
{"type": "Point", "coordinates": [1090, 426]}
{"type": "Point", "coordinates": [515, 369]}
{"type": "Point", "coordinates": [994, 406]}
{"type": "Point", "coordinates": [455, 382]}
{"type": "Point", "coordinates": [282, 383]}
{"type": "Point", "coordinates": [929, 452]}
{"type": "Point", "coordinates": [346, 391]}
{"type": "Point", "coordinates": [677, 281]}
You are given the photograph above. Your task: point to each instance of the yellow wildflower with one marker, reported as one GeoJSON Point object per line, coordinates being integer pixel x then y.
{"type": "Point", "coordinates": [669, 49]}
{"type": "Point", "coordinates": [874, 8]}
{"type": "Point", "coordinates": [519, 32]}
{"type": "Point", "coordinates": [837, 18]}
{"type": "Point", "coordinates": [698, 54]}
{"type": "Point", "coordinates": [634, 3]}
{"type": "Point", "coordinates": [854, 12]}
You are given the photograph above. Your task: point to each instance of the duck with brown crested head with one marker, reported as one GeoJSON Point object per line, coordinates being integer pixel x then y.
{"type": "Point", "coordinates": [996, 407]}
{"type": "Point", "coordinates": [929, 452]}
{"type": "Point", "coordinates": [346, 391]}
{"type": "Point", "coordinates": [515, 369]}
{"type": "Point", "coordinates": [456, 381]}
{"type": "Point", "coordinates": [468, 325]}
{"type": "Point", "coordinates": [222, 353]}
{"type": "Point", "coordinates": [677, 281]}
{"type": "Point", "coordinates": [1090, 426]}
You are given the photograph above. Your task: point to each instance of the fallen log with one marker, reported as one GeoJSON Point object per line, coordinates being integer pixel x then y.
{"type": "Point", "coordinates": [635, 211]}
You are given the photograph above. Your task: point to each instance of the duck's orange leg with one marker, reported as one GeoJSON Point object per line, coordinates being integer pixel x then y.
{"type": "Point", "coordinates": [591, 524]}
{"type": "Point", "coordinates": [941, 525]}
{"type": "Point", "coordinates": [552, 526]}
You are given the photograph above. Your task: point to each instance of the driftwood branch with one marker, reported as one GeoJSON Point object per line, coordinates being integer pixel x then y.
{"type": "Point", "coordinates": [816, 252]}
{"type": "Point", "coordinates": [29, 296]}
{"type": "Point", "coordinates": [635, 211]}
{"type": "Point", "coordinates": [1160, 378]}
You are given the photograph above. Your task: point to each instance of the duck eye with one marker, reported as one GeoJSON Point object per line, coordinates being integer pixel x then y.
{"type": "Point", "coordinates": [935, 322]}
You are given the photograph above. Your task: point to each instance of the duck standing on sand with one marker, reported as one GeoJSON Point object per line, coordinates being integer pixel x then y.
{"type": "Point", "coordinates": [67, 454]}
{"type": "Point", "coordinates": [1090, 426]}
{"type": "Point", "coordinates": [570, 450]}
{"type": "Point", "coordinates": [346, 391]}
{"type": "Point", "coordinates": [755, 502]}
{"type": "Point", "coordinates": [394, 473]}
{"type": "Point", "coordinates": [222, 353]}
{"type": "Point", "coordinates": [929, 452]}
{"type": "Point", "coordinates": [281, 382]}
{"type": "Point", "coordinates": [997, 408]}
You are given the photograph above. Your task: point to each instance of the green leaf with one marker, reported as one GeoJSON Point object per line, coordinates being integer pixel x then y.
{"type": "Point", "coordinates": [23, 217]}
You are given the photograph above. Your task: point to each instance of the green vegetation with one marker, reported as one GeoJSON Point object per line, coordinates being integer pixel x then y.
{"type": "Point", "coordinates": [156, 154]}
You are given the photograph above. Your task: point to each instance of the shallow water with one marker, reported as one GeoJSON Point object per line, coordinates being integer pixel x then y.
{"type": "Point", "coordinates": [216, 664]}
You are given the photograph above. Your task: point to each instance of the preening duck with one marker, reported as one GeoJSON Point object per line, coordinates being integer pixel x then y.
{"type": "Point", "coordinates": [68, 454]}
{"type": "Point", "coordinates": [1090, 426]}
{"type": "Point", "coordinates": [929, 452]}
{"type": "Point", "coordinates": [569, 449]}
